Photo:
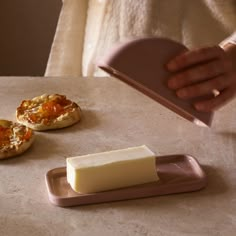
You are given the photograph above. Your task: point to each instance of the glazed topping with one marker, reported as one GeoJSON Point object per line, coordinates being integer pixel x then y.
{"type": "Point", "coordinates": [5, 134]}
{"type": "Point", "coordinates": [13, 134]}
{"type": "Point", "coordinates": [46, 108]}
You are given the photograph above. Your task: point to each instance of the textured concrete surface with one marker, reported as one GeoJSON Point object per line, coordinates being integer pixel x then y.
{"type": "Point", "coordinates": [116, 116]}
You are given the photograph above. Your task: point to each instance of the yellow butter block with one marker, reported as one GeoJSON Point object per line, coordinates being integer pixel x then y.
{"type": "Point", "coordinates": [111, 170]}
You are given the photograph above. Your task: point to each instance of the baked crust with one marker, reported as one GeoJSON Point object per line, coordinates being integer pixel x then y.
{"type": "Point", "coordinates": [15, 139]}
{"type": "Point", "coordinates": [47, 112]}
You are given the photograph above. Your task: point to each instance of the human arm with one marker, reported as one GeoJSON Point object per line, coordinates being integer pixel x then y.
{"type": "Point", "coordinates": [200, 72]}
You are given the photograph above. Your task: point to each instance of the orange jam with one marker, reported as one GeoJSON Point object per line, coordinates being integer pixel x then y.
{"type": "Point", "coordinates": [4, 136]}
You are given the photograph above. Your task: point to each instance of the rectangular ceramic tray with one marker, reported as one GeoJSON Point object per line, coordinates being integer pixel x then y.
{"type": "Point", "coordinates": [178, 173]}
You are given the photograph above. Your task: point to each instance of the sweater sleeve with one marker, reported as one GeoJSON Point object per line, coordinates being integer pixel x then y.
{"type": "Point", "coordinates": [230, 39]}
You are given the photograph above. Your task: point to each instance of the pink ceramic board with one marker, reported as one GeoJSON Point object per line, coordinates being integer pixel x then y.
{"type": "Point", "coordinates": [178, 173]}
{"type": "Point", "coordinates": [141, 63]}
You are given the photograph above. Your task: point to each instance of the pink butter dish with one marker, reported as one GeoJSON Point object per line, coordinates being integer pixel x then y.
{"type": "Point", "coordinates": [141, 63]}
{"type": "Point", "coordinates": [177, 173]}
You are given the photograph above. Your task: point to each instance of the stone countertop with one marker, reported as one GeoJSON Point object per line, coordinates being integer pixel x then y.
{"type": "Point", "coordinates": [116, 116]}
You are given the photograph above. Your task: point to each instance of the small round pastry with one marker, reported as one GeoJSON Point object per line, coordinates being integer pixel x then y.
{"type": "Point", "coordinates": [15, 138]}
{"type": "Point", "coordinates": [48, 112]}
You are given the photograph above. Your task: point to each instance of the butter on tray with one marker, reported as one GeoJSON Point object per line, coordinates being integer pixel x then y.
{"type": "Point", "coordinates": [111, 170]}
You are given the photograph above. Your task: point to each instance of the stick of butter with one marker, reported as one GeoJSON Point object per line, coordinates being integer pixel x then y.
{"type": "Point", "coordinates": [111, 170]}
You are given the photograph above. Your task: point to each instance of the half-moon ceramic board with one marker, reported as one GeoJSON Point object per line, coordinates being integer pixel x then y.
{"type": "Point", "coordinates": [141, 63]}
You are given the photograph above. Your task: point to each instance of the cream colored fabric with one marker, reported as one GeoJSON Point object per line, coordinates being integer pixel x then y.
{"type": "Point", "coordinates": [87, 29]}
{"type": "Point", "coordinates": [230, 39]}
{"type": "Point", "coordinates": [67, 48]}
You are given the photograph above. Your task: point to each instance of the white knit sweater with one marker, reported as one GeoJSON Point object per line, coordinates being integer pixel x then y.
{"type": "Point", "coordinates": [87, 29]}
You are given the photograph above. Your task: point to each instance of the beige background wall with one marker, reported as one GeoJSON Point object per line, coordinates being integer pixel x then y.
{"type": "Point", "coordinates": [27, 29]}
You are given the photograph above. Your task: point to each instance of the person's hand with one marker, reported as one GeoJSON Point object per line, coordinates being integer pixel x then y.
{"type": "Point", "coordinates": [203, 72]}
